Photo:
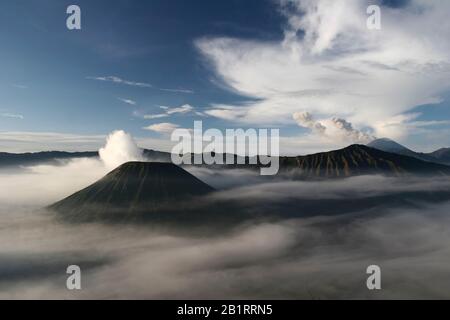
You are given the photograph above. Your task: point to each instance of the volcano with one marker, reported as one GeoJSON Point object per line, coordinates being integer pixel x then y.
{"type": "Point", "coordinates": [359, 160]}
{"type": "Point", "coordinates": [133, 190]}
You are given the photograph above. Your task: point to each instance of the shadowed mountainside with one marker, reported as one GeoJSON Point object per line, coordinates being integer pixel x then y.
{"type": "Point", "coordinates": [442, 155]}
{"type": "Point", "coordinates": [358, 160]}
{"type": "Point", "coordinates": [132, 190]}
{"type": "Point", "coordinates": [140, 192]}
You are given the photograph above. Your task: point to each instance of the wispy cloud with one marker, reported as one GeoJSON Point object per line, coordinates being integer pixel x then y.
{"type": "Point", "coordinates": [128, 101]}
{"type": "Point", "coordinates": [164, 127]}
{"type": "Point", "coordinates": [177, 90]}
{"type": "Point", "coordinates": [183, 109]}
{"type": "Point", "coordinates": [118, 80]}
{"type": "Point", "coordinates": [186, 108]}
{"type": "Point", "coordinates": [155, 116]}
{"type": "Point", "coordinates": [11, 115]}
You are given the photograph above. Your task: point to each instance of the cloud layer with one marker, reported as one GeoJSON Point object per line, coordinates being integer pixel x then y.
{"type": "Point", "coordinates": [311, 258]}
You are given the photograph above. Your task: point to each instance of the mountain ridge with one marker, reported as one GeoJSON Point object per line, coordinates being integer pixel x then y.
{"type": "Point", "coordinates": [441, 156]}
{"type": "Point", "coordinates": [8, 159]}
{"type": "Point", "coordinates": [359, 160]}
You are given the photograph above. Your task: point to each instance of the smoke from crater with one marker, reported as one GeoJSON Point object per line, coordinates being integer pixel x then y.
{"type": "Point", "coordinates": [120, 148]}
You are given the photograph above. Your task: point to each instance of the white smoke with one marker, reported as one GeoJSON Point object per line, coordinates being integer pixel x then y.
{"type": "Point", "coordinates": [120, 148]}
{"type": "Point", "coordinates": [305, 119]}
{"type": "Point", "coordinates": [334, 128]}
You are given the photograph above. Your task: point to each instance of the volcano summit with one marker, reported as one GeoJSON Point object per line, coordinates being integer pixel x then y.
{"type": "Point", "coordinates": [132, 191]}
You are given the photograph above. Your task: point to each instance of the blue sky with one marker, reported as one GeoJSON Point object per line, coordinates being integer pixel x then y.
{"type": "Point", "coordinates": [133, 57]}
{"type": "Point", "coordinates": [143, 41]}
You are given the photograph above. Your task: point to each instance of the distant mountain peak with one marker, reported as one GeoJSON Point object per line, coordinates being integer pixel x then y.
{"type": "Point", "coordinates": [441, 156]}
{"type": "Point", "coordinates": [386, 144]}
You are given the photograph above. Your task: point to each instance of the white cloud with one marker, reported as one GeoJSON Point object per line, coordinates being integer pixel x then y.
{"type": "Point", "coordinates": [118, 80]}
{"type": "Point", "coordinates": [155, 116]}
{"type": "Point", "coordinates": [186, 108]}
{"type": "Point", "coordinates": [178, 90]}
{"type": "Point", "coordinates": [183, 109]}
{"type": "Point", "coordinates": [227, 112]}
{"type": "Point", "coordinates": [164, 127]}
{"type": "Point", "coordinates": [338, 69]}
{"type": "Point", "coordinates": [12, 115]}
{"type": "Point", "coordinates": [128, 101]}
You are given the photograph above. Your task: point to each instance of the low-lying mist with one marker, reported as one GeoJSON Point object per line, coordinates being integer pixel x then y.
{"type": "Point", "coordinates": [303, 255]}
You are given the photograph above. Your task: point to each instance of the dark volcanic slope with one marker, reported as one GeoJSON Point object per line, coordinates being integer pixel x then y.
{"type": "Point", "coordinates": [442, 155]}
{"type": "Point", "coordinates": [359, 160]}
{"type": "Point", "coordinates": [134, 187]}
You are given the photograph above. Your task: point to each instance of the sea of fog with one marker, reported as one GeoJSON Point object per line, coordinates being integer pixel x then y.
{"type": "Point", "coordinates": [316, 257]}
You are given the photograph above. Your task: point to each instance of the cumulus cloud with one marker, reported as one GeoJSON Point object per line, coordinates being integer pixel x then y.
{"type": "Point", "coordinates": [329, 64]}
{"type": "Point", "coordinates": [120, 148]}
